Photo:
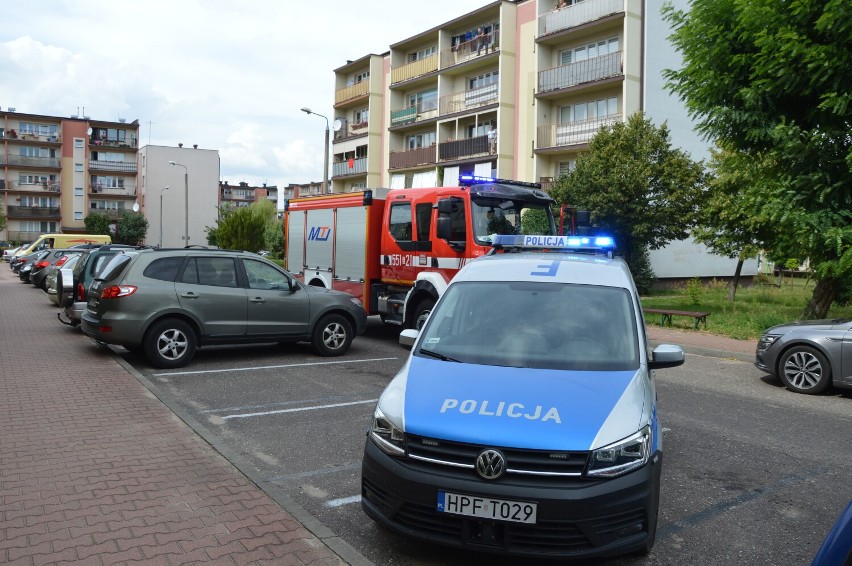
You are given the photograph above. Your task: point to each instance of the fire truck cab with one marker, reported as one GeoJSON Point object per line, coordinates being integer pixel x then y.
{"type": "Point", "coordinates": [397, 250]}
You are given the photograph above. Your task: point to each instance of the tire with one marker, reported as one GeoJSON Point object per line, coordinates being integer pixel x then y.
{"type": "Point", "coordinates": [170, 343]}
{"type": "Point", "coordinates": [421, 313]}
{"type": "Point", "coordinates": [804, 369]}
{"type": "Point", "coordinates": [332, 335]}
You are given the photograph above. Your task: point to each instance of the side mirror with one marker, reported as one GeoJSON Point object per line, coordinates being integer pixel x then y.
{"type": "Point", "coordinates": [445, 206]}
{"type": "Point", "coordinates": [408, 337]}
{"type": "Point", "coordinates": [666, 356]}
{"type": "Point", "coordinates": [444, 227]}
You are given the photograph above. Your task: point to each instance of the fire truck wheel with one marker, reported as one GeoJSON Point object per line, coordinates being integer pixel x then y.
{"type": "Point", "coordinates": [332, 335]}
{"type": "Point", "coordinates": [421, 313]}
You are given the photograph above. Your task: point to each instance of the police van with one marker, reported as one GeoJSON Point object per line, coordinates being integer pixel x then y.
{"type": "Point", "coordinates": [524, 421]}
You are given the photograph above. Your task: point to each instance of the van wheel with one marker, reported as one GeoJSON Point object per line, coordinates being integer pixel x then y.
{"type": "Point", "coordinates": [332, 335]}
{"type": "Point", "coordinates": [170, 343]}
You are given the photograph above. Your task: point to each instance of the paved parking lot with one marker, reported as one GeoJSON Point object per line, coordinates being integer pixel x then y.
{"type": "Point", "coordinates": [753, 474]}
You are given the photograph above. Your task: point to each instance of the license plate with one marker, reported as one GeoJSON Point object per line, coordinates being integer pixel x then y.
{"type": "Point", "coordinates": [486, 508]}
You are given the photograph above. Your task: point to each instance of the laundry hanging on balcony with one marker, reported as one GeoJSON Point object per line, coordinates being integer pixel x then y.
{"type": "Point", "coordinates": [351, 163]}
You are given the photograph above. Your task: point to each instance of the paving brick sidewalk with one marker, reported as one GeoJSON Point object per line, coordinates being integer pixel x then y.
{"type": "Point", "coordinates": [96, 470]}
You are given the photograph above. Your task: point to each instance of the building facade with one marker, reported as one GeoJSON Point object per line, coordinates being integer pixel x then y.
{"type": "Point", "coordinates": [241, 194]}
{"type": "Point", "coordinates": [56, 171]}
{"type": "Point", "coordinates": [515, 89]}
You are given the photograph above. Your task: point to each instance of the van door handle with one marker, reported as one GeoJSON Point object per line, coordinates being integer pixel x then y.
{"type": "Point", "coordinates": [189, 295]}
{"type": "Point", "coordinates": [258, 300]}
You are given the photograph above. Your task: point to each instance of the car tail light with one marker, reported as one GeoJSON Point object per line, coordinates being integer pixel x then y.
{"type": "Point", "coordinates": [116, 291]}
{"type": "Point", "coordinates": [42, 264]}
{"type": "Point", "coordinates": [81, 292]}
{"type": "Point", "coordinates": [62, 261]}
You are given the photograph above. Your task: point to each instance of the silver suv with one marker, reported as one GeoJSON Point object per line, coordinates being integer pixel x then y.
{"type": "Point", "coordinates": [167, 303]}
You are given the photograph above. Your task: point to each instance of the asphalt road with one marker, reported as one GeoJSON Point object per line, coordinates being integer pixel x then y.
{"type": "Point", "coordinates": [752, 474]}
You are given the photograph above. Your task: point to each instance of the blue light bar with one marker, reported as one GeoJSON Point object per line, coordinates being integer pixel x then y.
{"type": "Point", "coordinates": [535, 241]}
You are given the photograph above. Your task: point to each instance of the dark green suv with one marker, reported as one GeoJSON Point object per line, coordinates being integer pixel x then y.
{"type": "Point", "coordinates": [167, 303]}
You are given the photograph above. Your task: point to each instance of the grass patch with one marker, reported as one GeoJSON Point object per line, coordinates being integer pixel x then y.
{"type": "Point", "coordinates": [755, 309]}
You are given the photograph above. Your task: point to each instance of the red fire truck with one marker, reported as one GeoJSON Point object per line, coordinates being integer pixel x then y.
{"type": "Point", "coordinates": [397, 250]}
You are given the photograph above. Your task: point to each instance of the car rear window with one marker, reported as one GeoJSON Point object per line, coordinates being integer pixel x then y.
{"type": "Point", "coordinates": [115, 266]}
{"type": "Point", "coordinates": [164, 269]}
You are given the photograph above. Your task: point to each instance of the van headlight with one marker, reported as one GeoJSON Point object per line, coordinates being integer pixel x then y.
{"type": "Point", "coordinates": [386, 435]}
{"type": "Point", "coordinates": [621, 457]}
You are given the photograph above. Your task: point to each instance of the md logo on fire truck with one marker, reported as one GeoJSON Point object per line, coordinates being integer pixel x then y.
{"type": "Point", "coordinates": [319, 233]}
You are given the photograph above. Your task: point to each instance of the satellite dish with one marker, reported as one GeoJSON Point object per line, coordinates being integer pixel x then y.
{"type": "Point", "coordinates": [338, 123]}
{"type": "Point", "coordinates": [89, 131]}
{"type": "Point", "coordinates": [135, 207]}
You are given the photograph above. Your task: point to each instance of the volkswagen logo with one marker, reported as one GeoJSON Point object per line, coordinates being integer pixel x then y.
{"type": "Point", "coordinates": [490, 464]}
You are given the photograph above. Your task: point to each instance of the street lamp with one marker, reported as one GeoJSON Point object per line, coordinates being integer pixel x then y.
{"type": "Point", "coordinates": [186, 202]}
{"type": "Point", "coordinates": [161, 214]}
{"type": "Point", "coordinates": [325, 161]}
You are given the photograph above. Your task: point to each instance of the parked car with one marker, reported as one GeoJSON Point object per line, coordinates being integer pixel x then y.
{"type": "Point", "coordinates": [9, 253]}
{"type": "Point", "coordinates": [91, 262]}
{"type": "Point", "coordinates": [25, 266]}
{"type": "Point", "coordinates": [20, 260]}
{"type": "Point", "coordinates": [38, 275]}
{"type": "Point", "coordinates": [808, 355]}
{"type": "Point", "coordinates": [52, 293]}
{"type": "Point", "coordinates": [167, 303]}
{"type": "Point", "coordinates": [836, 549]}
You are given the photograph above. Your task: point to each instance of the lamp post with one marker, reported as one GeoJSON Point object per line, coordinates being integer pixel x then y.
{"type": "Point", "coordinates": [325, 161]}
{"type": "Point", "coordinates": [161, 214]}
{"type": "Point", "coordinates": [186, 202]}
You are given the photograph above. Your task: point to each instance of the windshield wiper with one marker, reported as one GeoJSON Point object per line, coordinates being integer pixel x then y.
{"type": "Point", "coordinates": [441, 357]}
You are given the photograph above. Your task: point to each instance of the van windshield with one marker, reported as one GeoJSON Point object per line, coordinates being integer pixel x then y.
{"type": "Point", "coordinates": [492, 216]}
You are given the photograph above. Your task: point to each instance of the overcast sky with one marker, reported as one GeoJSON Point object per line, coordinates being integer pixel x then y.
{"type": "Point", "coordinates": [222, 74]}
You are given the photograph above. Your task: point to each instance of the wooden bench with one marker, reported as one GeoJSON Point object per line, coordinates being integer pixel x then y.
{"type": "Point", "coordinates": [666, 316]}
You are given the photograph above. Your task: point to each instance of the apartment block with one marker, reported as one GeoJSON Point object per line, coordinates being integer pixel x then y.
{"type": "Point", "coordinates": [241, 194]}
{"type": "Point", "coordinates": [56, 171]}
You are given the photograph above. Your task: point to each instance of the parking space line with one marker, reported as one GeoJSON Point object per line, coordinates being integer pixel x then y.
{"type": "Point", "coordinates": [254, 368]}
{"type": "Point", "coordinates": [343, 501]}
{"type": "Point", "coordinates": [315, 473]}
{"type": "Point", "coordinates": [314, 408]}
{"type": "Point", "coordinates": [278, 404]}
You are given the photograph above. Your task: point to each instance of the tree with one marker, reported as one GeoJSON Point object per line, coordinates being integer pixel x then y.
{"type": "Point", "coordinates": [2, 219]}
{"type": "Point", "coordinates": [97, 224]}
{"type": "Point", "coordinates": [771, 80]}
{"type": "Point", "coordinates": [246, 227]}
{"type": "Point", "coordinates": [131, 228]}
{"type": "Point", "coordinates": [637, 188]}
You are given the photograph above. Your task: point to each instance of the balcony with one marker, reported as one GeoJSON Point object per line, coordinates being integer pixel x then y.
{"type": "Point", "coordinates": [351, 92]}
{"type": "Point", "coordinates": [23, 161]}
{"type": "Point", "coordinates": [125, 191]}
{"type": "Point", "coordinates": [581, 72]}
{"type": "Point", "coordinates": [122, 166]}
{"type": "Point", "coordinates": [32, 212]}
{"type": "Point", "coordinates": [31, 137]}
{"type": "Point", "coordinates": [469, 99]}
{"type": "Point", "coordinates": [349, 167]}
{"type": "Point", "coordinates": [572, 133]}
{"type": "Point", "coordinates": [412, 114]}
{"type": "Point", "coordinates": [578, 14]}
{"type": "Point", "coordinates": [18, 186]}
{"type": "Point", "coordinates": [111, 213]}
{"type": "Point", "coordinates": [121, 144]}
{"type": "Point", "coordinates": [351, 130]}
{"type": "Point", "coordinates": [414, 69]}
{"type": "Point", "coordinates": [412, 157]}
{"type": "Point", "coordinates": [24, 235]}
{"type": "Point", "coordinates": [469, 50]}
{"type": "Point", "coordinates": [461, 149]}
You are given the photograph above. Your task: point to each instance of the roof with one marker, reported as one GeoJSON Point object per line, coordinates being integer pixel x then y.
{"type": "Point", "coordinates": [584, 269]}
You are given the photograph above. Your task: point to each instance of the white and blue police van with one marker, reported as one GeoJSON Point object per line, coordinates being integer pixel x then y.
{"type": "Point", "coordinates": [524, 421]}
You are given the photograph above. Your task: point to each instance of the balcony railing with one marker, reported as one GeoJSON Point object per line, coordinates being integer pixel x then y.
{"type": "Point", "coordinates": [470, 50]}
{"type": "Point", "coordinates": [124, 166]}
{"type": "Point", "coordinates": [24, 161]}
{"type": "Point", "coordinates": [125, 191]}
{"type": "Point", "coordinates": [352, 91]}
{"type": "Point", "coordinates": [349, 167]}
{"type": "Point", "coordinates": [32, 211]}
{"type": "Point", "coordinates": [459, 149]}
{"type": "Point", "coordinates": [354, 129]}
{"type": "Point", "coordinates": [24, 235]}
{"type": "Point", "coordinates": [415, 69]}
{"type": "Point", "coordinates": [52, 187]}
{"type": "Point", "coordinates": [42, 138]}
{"type": "Point", "coordinates": [578, 14]}
{"type": "Point", "coordinates": [594, 69]}
{"type": "Point", "coordinates": [573, 133]}
{"type": "Point", "coordinates": [469, 99]}
{"type": "Point", "coordinates": [230, 195]}
{"type": "Point", "coordinates": [412, 157]}
{"type": "Point", "coordinates": [411, 114]}
{"type": "Point", "coordinates": [111, 213]}
{"type": "Point", "coordinates": [129, 144]}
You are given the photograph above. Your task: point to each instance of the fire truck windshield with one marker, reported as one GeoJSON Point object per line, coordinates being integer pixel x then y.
{"type": "Point", "coordinates": [509, 217]}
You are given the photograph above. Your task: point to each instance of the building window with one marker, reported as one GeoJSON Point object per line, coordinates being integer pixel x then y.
{"type": "Point", "coordinates": [421, 140]}
{"type": "Point", "coordinates": [36, 226]}
{"type": "Point", "coordinates": [78, 191]}
{"type": "Point", "coordinates": [362, 76]}
{"type": "Point", "coordinates": [565, 167]}
{"type": "Point", "coordinates": [78, 216]}
{"type": "Point", "coordinates": [422, 54]}
{"type": "Point", "coordinates": [588, 51]}
{"type": "Point", "coordinates": [482, 80]}
{"type": "Point", "coordinates": [78, 167]}
{"type": "Point", "coordinates": [588, 110]}
{"type": "Point", "coordinates": [424, 101]}
{"type": "Point", "coordinates": [78, 142]}
{"type": "Point", "coordinates": [361, 116]}
{"type": "Point", "coordinates": [481, 129]}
